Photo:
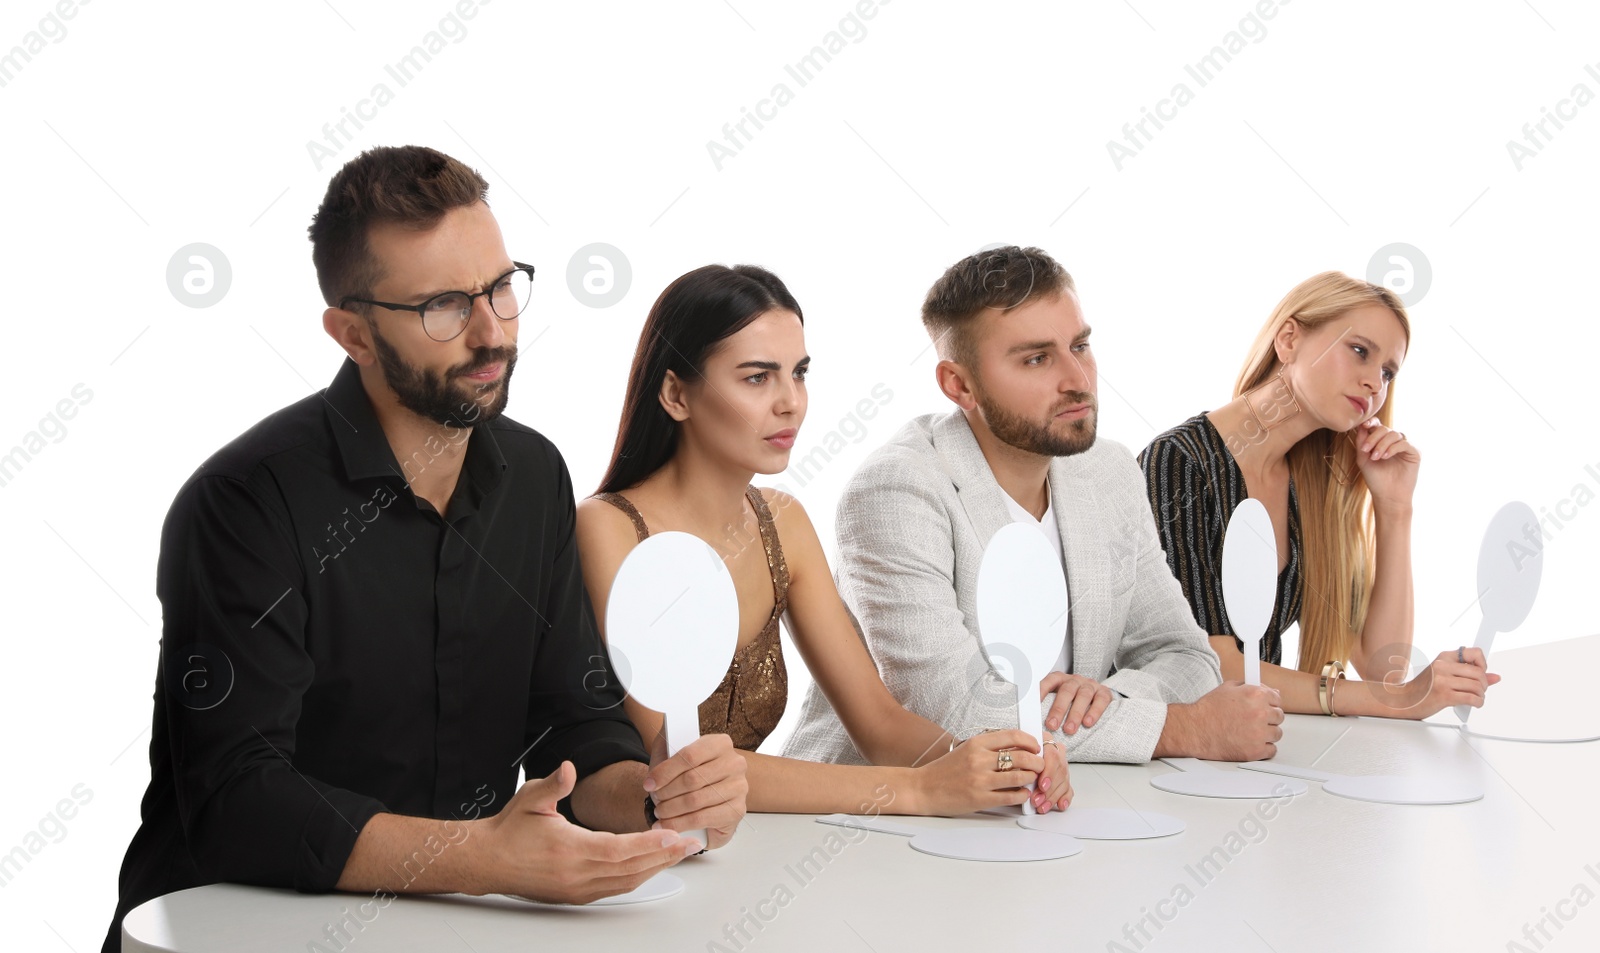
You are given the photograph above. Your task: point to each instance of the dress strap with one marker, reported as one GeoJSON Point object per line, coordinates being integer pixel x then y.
{"type": "Point", "coordinates": [625, 505]}
{"type": "Point", "coordinates": [769, 541]}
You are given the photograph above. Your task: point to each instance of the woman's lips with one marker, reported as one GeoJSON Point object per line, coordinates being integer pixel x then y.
{"type": "Point", "coordinates": [783, 439]}
{"type": "Point", "coordinates": [1360, 405]}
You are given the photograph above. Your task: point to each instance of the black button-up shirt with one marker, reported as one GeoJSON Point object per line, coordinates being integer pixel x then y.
{"type": "Point", "coordinates": [332, 648]}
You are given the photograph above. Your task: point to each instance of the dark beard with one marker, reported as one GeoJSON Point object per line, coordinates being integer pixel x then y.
{"type": "Point", "coordinates": [431, 395]}
{"type": "Point", "coordinates": [1035, 437]}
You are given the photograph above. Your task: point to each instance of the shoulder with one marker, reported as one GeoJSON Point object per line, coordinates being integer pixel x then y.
{"type": "Point", "coordinates": [910, 456]}
{"type": "Point", "coordinates": [1190, 443]}
{"type": "Point", "coordinates": [524, 446]}
{"type": "Point", "coordinates": [789, 516]}
{"type": "Point", "coordinates": [241, 469]}
{"type": "Point", "coordinates": [299, 426]}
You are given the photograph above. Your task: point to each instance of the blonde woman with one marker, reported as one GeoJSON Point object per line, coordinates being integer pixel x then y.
{"type": "Point", "coordinates": [1309, 434]}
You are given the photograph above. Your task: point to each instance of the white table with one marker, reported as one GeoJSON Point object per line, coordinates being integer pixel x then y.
{"type": "Point", "coordinates": [1324, 873]}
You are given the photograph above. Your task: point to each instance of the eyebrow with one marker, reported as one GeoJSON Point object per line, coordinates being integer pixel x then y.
{"type": "Point", "coordinates": [1373, 346]}
{"type": "Point", "coordinates": [424, 296]}
{"type": "Point", "coordinates": [1078, 338]}
{"type": "Point", "coordinates": [771, 365]}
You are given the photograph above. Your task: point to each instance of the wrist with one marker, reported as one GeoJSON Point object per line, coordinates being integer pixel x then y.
{"type": "Point", "coordinates": [912, 788]}
{"type": "Point", "coordinates": [1392, 511]}
{"type": "Point", "coordinates": [1174, 741]}
{"type": "Point", "coordinates": [475, 868]}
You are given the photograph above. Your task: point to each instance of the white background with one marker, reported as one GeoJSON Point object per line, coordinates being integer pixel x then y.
{"type": "Point", "coordinates": [942, 128]}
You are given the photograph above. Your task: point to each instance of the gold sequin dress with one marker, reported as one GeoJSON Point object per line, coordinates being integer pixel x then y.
{"type": "Point", "coordinates": [750, 701]}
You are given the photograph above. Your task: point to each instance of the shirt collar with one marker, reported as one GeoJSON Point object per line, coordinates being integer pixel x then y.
{"type": "Point", "coordinates": [365, 451]}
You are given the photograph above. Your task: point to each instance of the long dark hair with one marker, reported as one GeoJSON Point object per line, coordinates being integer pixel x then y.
{"type": "Point", "coordinates": [691, 317]}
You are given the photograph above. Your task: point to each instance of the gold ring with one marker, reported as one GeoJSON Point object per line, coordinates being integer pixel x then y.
{"type": "Point", "coordinates": [1004, 762]}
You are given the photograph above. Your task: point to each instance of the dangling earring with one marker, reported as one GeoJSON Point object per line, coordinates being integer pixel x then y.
{"type": "Point", "coordinates": [1341, 479]}
{"type": "Point", "coordinates": [1283, 385]}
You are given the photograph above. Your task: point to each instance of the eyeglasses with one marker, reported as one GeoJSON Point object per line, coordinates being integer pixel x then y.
{"type": "Point", "coordinates": [444, 316]}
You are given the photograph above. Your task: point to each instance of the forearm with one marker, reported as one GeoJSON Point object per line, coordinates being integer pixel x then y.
{"type": "Point", "coordinates": [1386, 636]}
{"type": "Point", "coordinates": [612, 798]}
{"type": "Point", "coordinates": [790, 786]}
{"type": "Point", "coordinates": [902, 738]}
{"type": "Point", "coordinates": [1296, 689]}
{"type": "Point", "coordinates": [1299, 692]}
{"type": "Point", "coordinates": [403, 854]}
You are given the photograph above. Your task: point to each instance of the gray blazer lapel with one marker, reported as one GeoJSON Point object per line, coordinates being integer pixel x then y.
{"type": "Point", "coordinates": [981, 496]}
{"type": "Point", "coordinates": [1081, 520]}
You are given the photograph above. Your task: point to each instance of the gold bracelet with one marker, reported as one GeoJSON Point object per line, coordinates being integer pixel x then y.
{"type": "Point", "coordinates": [1331, 671]}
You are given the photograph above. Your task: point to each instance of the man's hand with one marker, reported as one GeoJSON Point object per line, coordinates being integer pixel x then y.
{"type": "Point", "coordinates": [1080, 700]}
{"type": "Point", "coordinates": [1232, 722]}
{"type": "Point", "coordinates": [701, 787]}
{"type": "Point", "coordinates": [530, 850]}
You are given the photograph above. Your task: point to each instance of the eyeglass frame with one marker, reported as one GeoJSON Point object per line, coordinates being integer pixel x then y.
{"type": "Point", "coordinates": [472, 298]}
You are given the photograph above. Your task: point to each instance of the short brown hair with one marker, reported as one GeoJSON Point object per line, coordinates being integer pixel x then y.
{"type": "Point", "coordinates": [1002, 278]}
{"type": "Point", "coordinates": [412, 186]}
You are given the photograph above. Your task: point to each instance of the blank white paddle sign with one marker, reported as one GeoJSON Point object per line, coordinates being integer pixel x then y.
{"type": "Point", "coordinates": [1198, 779]}
{"type": "Point", "coordinates": [1022, 616]}
{"type": "Point", "coordinates": [1104, 823]}
{"type": "Point", "coordinates": [1509, 567]}
{"type": "Point", "coordinates": [673, 616]}
{"type": "Point", "coordinates": [1381, 788]}
{"type": "Point", "coordinates": [984, 844]}
{"type": "Point", "coordinates": [1250, 579]}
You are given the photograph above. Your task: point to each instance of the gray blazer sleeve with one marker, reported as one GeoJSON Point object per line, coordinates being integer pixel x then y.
{"type": "Point", "coordinates": [897, 574]}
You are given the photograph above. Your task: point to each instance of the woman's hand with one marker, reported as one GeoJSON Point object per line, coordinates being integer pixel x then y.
{"type": "Point", "coordinates": [1457, 677]}
{"type": "Point", "coordinates": [1054, 790]}
{"type": "Point", "coordinates": [1388, 462]}
{"type": "Point", "coordinates": [1080, 700]}
{"type": "Point", "coordinates": [969, 777]}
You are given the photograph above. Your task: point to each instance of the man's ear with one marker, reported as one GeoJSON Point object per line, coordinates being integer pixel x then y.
{"type": "Point", "coordinates": [955, 382]}
{"type": "Point", "coordinates": [674, 397]}
{"type": "Point", "coordinates": [351, 332]}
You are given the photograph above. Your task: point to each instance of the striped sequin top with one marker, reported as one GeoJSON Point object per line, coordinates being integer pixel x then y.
{"type": "Point", "coordinates": [1194, 485]}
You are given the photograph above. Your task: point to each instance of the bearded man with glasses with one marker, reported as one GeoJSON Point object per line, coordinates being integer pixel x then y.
{"type": "Point", "coordinates": [374, 613]}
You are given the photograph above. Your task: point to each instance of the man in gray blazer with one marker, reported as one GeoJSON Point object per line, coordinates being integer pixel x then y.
{"type": "Point", "coordinates": [1137, 677]}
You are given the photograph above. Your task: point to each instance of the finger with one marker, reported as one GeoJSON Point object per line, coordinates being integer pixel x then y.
{"type": "Point", "coordinates": [1102, 701]}
{"type": "Point", "coordinates": [623, 854]}
{"type": "Point", "coordinates": [1080, 706]}
{"type": "Point", "coordinates": [1058, 709]}
{"type": "Point", "coordinates": [1026, 761]}
{"type": "Point", "coordinates": [1066, 800]}
{"type": "Point", "coordinates": [539, 796]}
{"type": "Point", "coordinates": [727, 770]}
{"type": "Point", "coordinates": [1006, 738]}
{"type": "Point", "coordinates": [699, 799]}
{"type": "Point", "coordinates": [719, 816]}
{"type": "Point", "coordinates": [1051, 682]}
{"type": "Point", "coordinates": [597, 888]}
{"type": "Point", "coordinates": [1378, 444]}
{"type": "Point", "coordinates": [1493, 678]}
{"type": "Point", "coordinates": [702, 750]}
{"type": "Point", "coordinates": [1059, 787]}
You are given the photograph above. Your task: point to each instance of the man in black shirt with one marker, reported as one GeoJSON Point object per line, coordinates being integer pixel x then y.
{"type": "Point", "coordinates": [374, 613]}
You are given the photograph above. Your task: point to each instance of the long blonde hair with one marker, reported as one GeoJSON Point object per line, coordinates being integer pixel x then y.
{"type": "Point", "coordinates": [1336, 523]}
